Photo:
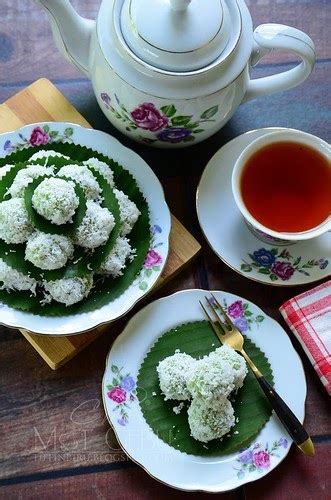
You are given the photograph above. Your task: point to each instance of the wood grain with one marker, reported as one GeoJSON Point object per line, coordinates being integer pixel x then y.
{"type": "Point", "coordinates": [68, 400]}
{"type": "Point", "coordinates": [130, 483]}
{"type": "Point", "coordinates": [28, 52]}
{"type": "Point", "coordinates": [41, 101]}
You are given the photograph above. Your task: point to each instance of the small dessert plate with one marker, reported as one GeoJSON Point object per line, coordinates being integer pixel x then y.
{"type": "Point", "coordinates": [166, 464]}
{"type": "Point", "coordinates": [231, 239]}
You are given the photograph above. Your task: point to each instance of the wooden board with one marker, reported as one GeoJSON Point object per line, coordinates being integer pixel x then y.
{"type": "Point", "coordinates": [42, 101]}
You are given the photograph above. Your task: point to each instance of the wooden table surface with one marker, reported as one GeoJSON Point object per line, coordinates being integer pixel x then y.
{"type": "Point", "coordinates": [55, 440]}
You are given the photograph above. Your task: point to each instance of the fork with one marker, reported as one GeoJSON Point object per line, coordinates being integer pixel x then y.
{"type": "Point", "coordinates": [228, 333]}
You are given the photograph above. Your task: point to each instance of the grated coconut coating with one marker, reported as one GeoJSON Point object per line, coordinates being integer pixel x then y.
{"type": "Point", "coordinates": [128, 210]}
{"type": "Point", "coordinates": [210, 419]}
{"type": "Point", "coordinates": [84, 177]}
{"type": "Point", "coordinates": [238, 364]}
{"type": "Point", "coordinates": [56, 200]}
{"type": "Point", "coordinates": [48, 251]}
{"type": "Point", "coordinates": [69, 291]}
{"type": "Point", "coordinates": [11, 279]}
{"type": "Point", "coordinates": [24, 177]}
{"type": "Point", "coordinates": [102, 168]}
{"type": "Point", "coordinates": [44, 154]}
{"type": "Point", "coordinates": [115, 261]}
{"type": "Point", "coordinates": [96, 226]}
{"type": "Point", "coordinates": [172, 375]}
{"type": "Point", "coordinates": [15, 225]}
{"type": "Point", "coordinates": [210, 378]}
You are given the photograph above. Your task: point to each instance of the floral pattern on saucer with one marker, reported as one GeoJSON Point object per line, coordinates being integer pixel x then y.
{"type": "Point", "coordinates": [234, 243]}
{"type": "Point", "coordinates": [280, 264]}
{"type": "Point", "coordinates": [165, 124]}
{"type": "Point", "coordinates": [242, 316]}
{"type": "Point", "coordinates": [121, 391]}
{"type": "Point", "coordinates": [258, 458]}
{"type": "Point", "coordinates": [39, 136]}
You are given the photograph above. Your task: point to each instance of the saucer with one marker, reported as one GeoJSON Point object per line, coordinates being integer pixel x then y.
{"type": "Point", "coordinates": [230, 238]}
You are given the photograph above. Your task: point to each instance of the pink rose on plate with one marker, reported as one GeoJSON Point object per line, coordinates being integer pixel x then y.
{"type": "Point", "coordinates": [152, 259]}
{"type": "Point", "coordinates": [261, 459]}
{"type": "Point", "coordinates": [117, 394]}
{"type": "Point", "coordinates": [148, 117]}
{"type": "Point", "coordinates": [38, 137]}
{"type": "Point", "coordinates": [236, 309]}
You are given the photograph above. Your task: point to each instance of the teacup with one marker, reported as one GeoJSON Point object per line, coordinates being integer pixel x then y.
{"type": "Point", "coordinates": [281, 183]}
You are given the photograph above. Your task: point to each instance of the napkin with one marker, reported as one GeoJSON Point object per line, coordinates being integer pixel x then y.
{"type": "Point", "coordinates": [309, 317]}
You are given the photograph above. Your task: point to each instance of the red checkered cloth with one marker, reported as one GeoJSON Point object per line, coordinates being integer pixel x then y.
{"type": "Point", "coordinates": [309, 317]}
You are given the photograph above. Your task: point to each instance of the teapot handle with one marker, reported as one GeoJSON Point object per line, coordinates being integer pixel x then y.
{"type": "Point", "coordinates": [278, 36]}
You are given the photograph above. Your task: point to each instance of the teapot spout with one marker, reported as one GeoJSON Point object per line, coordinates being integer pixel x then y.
{"type": "Point", "coordinates": [72, 33]}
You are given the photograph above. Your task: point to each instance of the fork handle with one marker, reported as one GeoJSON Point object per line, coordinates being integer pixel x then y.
{"type": "Point", "coordinates": [284, 413]}
{"type": "Point", "coordinates": [287, 417]}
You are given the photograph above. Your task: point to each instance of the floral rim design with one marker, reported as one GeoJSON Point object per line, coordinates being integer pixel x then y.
{"type": "Point", "coordinates": [257, 458]}
{"type": "Point", "coordinates": [153, 260]}
{"type": "Point", "coordinates": [164, 124]}
{"type": "Point", "coordinates": [242, 316]}
{"type": "Point", "coordinates": [121, 391]}
{"type": "Point", "coordinates": [280, 264]}
{"type": "Point", "coordinates": [39, 136]}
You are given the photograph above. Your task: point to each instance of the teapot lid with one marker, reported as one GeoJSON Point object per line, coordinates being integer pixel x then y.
{"type": "Point", "coordinates": [178, 35]}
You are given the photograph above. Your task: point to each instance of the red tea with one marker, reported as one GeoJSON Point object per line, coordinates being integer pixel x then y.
{"type": "Point", "coordinates": [286, 186]}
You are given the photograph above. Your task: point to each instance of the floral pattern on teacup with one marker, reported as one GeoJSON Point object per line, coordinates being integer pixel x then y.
{"type": "Point", "coordinates": [164, 124]}
{"type": "Point", "coordinates": [39, 136]}
{"type": "Point", "coordinates": [257, 458]}
{"type": "Point", "coordinates": [122, 392]}
{"type": "Point", "coordinates": [280, 264]}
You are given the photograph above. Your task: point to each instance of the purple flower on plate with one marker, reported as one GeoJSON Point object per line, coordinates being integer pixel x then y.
{"type": "Point", "coordinates": [323, 263]}
{"type": "Point", "coordinates": [246, 457]}
{"type": "Point", "coordinates": [242, 324]}
{"type": "Point", "coordinates": [122, 421]}
{"type": "Point", "coordinates": [7, 146]}
{"type": "Point", "coordinates": [106, 99]}
{"type": "Point", "coordinates": [128, 383]}
{"type": "Point", "coordinates": [283, 442]}
{"type": "Point", "coordinates": [284, 270]}
{"type": "Point", "coordinates": [148, 117]}
{"type": "Point", "coordinates": [236, 309]}
{"type": "Point", "coordinates": [156, 229]}
{"type": "Point", "coordinates": [174, 134]}
{"type": "Point", "coordinates": [264, 257]}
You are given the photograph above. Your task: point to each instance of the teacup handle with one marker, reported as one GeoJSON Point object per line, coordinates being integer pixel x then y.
{"type": "Point", "coordinates": [278, 36]}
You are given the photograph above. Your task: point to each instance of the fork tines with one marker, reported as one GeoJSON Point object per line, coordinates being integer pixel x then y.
{"type": "Point", "coordinates": [217, 323]}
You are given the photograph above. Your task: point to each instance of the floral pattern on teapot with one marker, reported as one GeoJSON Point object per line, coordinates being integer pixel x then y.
{"type": "Point", "coordinates": [163, 124]}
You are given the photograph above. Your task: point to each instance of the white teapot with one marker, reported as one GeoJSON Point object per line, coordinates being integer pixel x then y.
{"type": "Point", "coordinates": [171, 73]}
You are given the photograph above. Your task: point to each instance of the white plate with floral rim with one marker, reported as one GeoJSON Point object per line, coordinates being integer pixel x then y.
{"type": "Point", "coordinates": [232, 241]}
{"type": "Point", "coordinates": [49, 132]}
{"type": "Point", "coordinates": [161, 461]}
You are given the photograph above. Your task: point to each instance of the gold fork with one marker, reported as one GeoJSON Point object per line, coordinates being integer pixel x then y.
{"type": "Point", "coordinates": [228, 333]}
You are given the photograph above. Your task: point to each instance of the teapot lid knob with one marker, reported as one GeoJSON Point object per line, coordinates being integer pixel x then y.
{"type": "Point", "coordinates": [179, 35]}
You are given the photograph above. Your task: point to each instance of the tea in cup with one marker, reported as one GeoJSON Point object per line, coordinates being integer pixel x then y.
{"type": "Point", "coordinates": [281, 184]}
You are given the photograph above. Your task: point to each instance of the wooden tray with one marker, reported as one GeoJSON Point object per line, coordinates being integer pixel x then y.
{"type": "Point", "coordinates": [41, 101]}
